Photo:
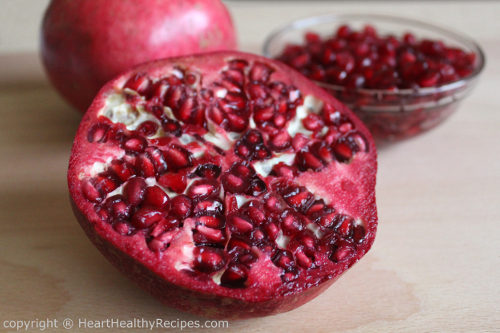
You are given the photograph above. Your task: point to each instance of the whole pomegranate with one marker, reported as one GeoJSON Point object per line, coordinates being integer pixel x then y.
{"type": "Point", "coordinates": [86, 43]}
{"type": "Point", "coordinates": [225, 184]}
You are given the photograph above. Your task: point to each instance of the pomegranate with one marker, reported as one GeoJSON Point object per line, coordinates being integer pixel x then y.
{"type": "Point", "coordinates": [227, 185]}
{"type": "Point", "coordinates": [86, 43]}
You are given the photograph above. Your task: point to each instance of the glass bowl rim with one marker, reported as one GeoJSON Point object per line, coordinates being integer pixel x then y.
{"type": "Point", "coordinates": [455, 35]}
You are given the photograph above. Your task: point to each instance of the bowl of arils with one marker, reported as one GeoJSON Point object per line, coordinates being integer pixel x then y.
{"type": "Point", "coordinates": [401, 77]}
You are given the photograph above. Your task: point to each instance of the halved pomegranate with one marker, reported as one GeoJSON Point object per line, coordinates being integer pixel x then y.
{"type": "Point", "coordinates": [226, 185]}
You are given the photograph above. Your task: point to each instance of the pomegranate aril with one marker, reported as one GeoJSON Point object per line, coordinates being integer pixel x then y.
{"type": "Point", "coordinates": [290, 275]}
{"type": "Point", "coordinates": [256, 215]}
{"type": "Point", "coordinates": [181, 206]}
{"type": "Point", "coordinates": [239, 243]}
{"type": "Point", "coordinates": [122, 170]}
{"type": "Point", "coordinates": [139, 83]}
{"type": "Point", "coordinates": [323, 151]}
{"type": "Point", "coordinates": [98, 133]}
{"type": "Point", "coordinates": [208, 259]}
{"type": "Point", "coordinates": [238, 64]}
{"type": "Point", "coordinates": [231, 86]}
{"type": "Point", "coordinates": [343, 151]}
{"type": "Point", "coordinates": [272, 230]}
{"type": "Point", "coordinates": [264, 114]}
{"type": "Point", "coordinates": [210, 221]}
{"type": "Point", "coordinates": [106, 182]}
{"type": "Point", "coordinates": [235, 276]}
{"type": "Point", "coordinates": [299, 141]}
{"type": "Point", "coordinates": [283, 259]}
{"type": "Point", "coordinates": [118, 207]}
{"type": "Point", "coordinates": [191, 78]}
{"type": "Point", "coordinates": [135, 145]}
{"type": "Point", "coordinates": [268, 248]}
{"type": "Point", "coordinates": [292, 223]}
{"type": "Point", "coordinates": [91, 191]}
{"type": "Point", "coordinates": [206, 235]}
{"type": "Point", "coordinates": [145, 166]}
{"type": "Point", "coordinates": [281, 141]}
{"type": "Point", "coordinates": [257, 91]}
{"type": "Point", "coordinates": [257, 235]}
{"type": "Point", "coordinates": [253, 137]}
{"type": "Point", "coordinates": [306, 160]}
{"type": "Point", "coordinates": [303, 260]}
{"type": "Point", "coordinates": [300, 199]}
{"type": "Point", "coordinates": [429, 79]}
{"type": "Point", "coordinates": [244, 151]}
{"type": "Point", "coordinates": [202, 189]}
{"type": "Point", "coordinates": [342, 251]}
{"type": "Point", "coordinates": [177, 182]}
{"type": "Point", "coordinates": [327, 220]}
{"type": "Point", "coordinates": [273, 203]}
{"type": "Point", "coordinates": [313, 122]}
{"type": "Point", "coordinates": [158, 158]}
{"type": "Point", "coordinates": [358, 234]}
{"type": "Point", "coordinates": [257, 187]}
{"type": "Point", "coordinates": [345, 227]}
{"type": "Point", "coordinates": [305, 240]}
{"type": "Point", "coordinates": [161, 242]}
{"type": "Point", "coordinates": [134, 190]}
{"type": "Point", "coordinates": [234, 184]}
{"type": "Point", "coordinates": [262, 153]}
{"type": "Point", "coordinates": [208, 171]}
{"type": "Point", "coordinates": [283, 170]}
{"type": "Point", "coordinates": [235, 75]}
{"type": "Point", "coordinates": [178, 158]}
{"type": "Point", "coordinates": [209, 206]}
{"type": "Point", "coordinates": [188, 111]}
{"type": "Point", "coordinates": [238, 224]}
{"type": "Point", "coordinates": [358, 142]}
{"type": "Point", "coordinates": [236, 123]}
{"type": "Point", "coordinates": [260, 72]}
{"type": "Point", "coordinates": [174, 96]}
{"type": "Point", "coordinates": [146, 216]}
{"type": "Point", "coordinates": [156, 197]}
{"type": "Point", "coordinates": [163, 225]}
{"type": "Point", "coordinates": [316, 206]}
{"type": "Point", "coordinates": [172, 126]}
{"type": "Point", "coordinates": [123, 227]}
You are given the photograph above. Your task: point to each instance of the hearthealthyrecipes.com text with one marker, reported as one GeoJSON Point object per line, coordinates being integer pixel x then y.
{"type": "Point", "coordinates": [141, 323]}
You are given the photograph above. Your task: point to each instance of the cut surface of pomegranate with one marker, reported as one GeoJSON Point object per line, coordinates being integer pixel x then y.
{"type": "Point", "coordinates": [226, 185]}
{"type": "Point", "coordinates": [85, 43]}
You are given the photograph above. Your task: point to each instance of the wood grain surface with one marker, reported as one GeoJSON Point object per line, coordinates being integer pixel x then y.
{"type": "Point", "coordinates": [434, 267]}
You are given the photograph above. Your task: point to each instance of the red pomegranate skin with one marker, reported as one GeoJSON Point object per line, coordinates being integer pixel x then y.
{"type": "Point", "coordinates": [350, 186]}
{"type": "Point", "coordinates": [84, 44]}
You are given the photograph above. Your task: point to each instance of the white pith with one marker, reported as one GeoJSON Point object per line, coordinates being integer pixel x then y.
{"type": "Point", "coordinates": [118, 110]}
{"type": "Point", "coordinates": [242, 199]}
{"type": "Point", "coordinates": [282, 240]}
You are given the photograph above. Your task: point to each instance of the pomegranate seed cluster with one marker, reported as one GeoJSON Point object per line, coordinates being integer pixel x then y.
{"type": "Point", "coordinates": [220, 162]}
{"type": "Point", "coordinates": [365, 59]}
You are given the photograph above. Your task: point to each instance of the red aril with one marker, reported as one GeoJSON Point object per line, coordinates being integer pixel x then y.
{"type": "Point", "coordinates": [87, 43]}
{"type": "Point", "coordinates": [203, 227]}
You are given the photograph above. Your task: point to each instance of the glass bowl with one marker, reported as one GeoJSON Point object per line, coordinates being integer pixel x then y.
{"type": "Point", "coordinates": [395, 114]}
